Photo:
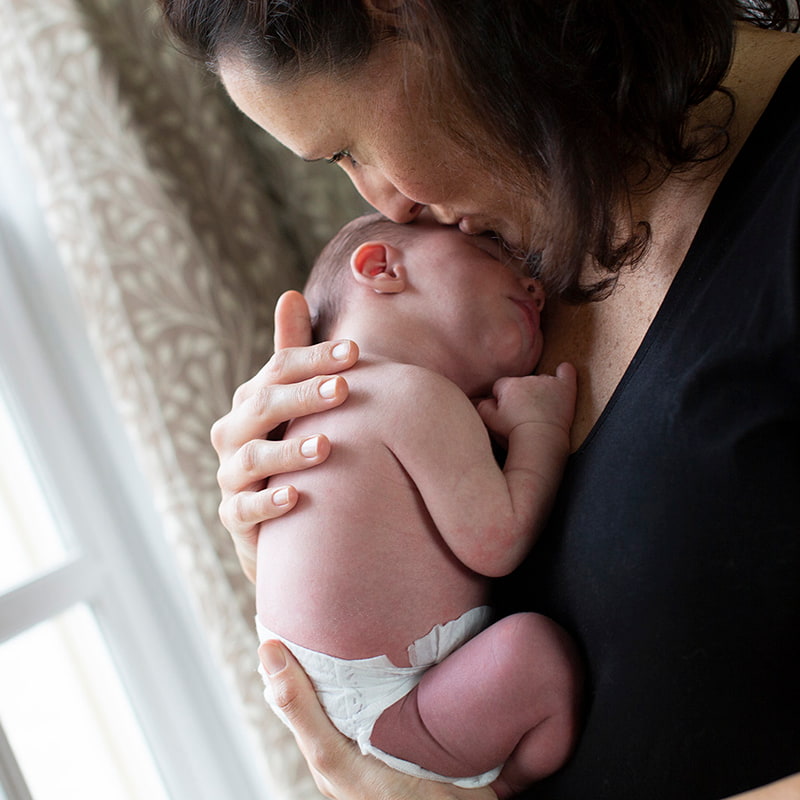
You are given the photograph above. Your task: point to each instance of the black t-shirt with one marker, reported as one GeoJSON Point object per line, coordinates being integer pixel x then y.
{"type": "Point", "coordinates": [673, 553]}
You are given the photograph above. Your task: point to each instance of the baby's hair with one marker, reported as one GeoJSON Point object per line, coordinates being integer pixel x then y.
{"type": "Point", "coordinates": [328, 284]}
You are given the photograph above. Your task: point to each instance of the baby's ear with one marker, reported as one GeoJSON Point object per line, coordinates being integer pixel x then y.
{"type": "Point", "coordinates": [378, 266]}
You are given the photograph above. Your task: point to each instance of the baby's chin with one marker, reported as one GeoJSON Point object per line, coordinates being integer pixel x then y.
{"type": "Point", "coordinates": [528, 359]}
{"type": "Point", "coordinates": [521, 367]}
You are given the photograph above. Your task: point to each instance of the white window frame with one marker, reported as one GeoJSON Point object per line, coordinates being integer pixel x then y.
{"type": "Point", "coordinates": [122, 567]}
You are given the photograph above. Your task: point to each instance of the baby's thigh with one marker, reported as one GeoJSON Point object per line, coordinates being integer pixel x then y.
{"type": "Point", "coordinates": [523, 666]}
{"type": "Point", "coordinates": [477, 705]}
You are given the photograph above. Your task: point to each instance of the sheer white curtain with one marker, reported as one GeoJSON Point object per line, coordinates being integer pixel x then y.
{"type": "Point", "coordinates": [178, 225]}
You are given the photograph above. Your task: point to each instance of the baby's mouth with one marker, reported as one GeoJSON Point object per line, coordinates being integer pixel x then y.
{"type": "Point", "coordinates": [531, 315]}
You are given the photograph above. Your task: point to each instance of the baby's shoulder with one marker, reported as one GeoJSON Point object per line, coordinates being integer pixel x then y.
{"type": "Point", "coordinates": [411, 403]}
{"type": "Point", "coordinates": [396, 382]}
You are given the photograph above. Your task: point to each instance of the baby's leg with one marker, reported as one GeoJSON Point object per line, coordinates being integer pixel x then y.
{"type": "Point", "coordinates": [510, 695]}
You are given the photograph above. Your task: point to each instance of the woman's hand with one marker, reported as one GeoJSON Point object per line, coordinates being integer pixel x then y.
{"type": "Point", "coordinates": [338, 767]}
{"type": "Point", "coordinates": [786, 789]}
{"type": "Point", "coordinates": [295, 382]}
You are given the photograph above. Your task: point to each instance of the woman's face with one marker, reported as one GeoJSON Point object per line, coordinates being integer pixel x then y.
{"type": "Point", "coordinates": [375, 126]}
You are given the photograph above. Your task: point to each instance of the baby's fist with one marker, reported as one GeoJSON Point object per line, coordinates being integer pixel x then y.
{"type": "Point", "coordinates": [541, 399]}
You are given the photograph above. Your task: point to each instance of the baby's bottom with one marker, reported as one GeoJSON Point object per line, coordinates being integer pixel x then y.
{"type": "Point", "coordinates": [509, 695]}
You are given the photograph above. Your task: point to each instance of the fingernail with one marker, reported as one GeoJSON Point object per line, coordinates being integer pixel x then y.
{"type": "Point", "coordinates": [280, 497]}
{"type": "Point", "coordinates": [341, 352]}
{"type": "Point", "coordinates": [328, 389]}
{"type": "Point", "coordinates": [272, 658]}
{"type": "Point", "coordinates": [310, 447]}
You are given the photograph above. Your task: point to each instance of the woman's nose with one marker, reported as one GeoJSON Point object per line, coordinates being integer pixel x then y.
{"type": "Point", "coordinates": [381, 193]}
{"type": "Point", "coordinates": [535, 289]}
{"type": "Point", "coordinates": [444, 216]}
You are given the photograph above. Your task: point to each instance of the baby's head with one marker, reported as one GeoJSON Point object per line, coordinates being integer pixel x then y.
{"type": "Point", "coordinates": [428, 294]}
{"type": "Point", "coordinates": [330, 283]}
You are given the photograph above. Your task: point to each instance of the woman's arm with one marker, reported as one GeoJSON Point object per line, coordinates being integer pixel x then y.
{"type": "Point", "coordinates": [294, 383]}
{"type": "Point", "coordinates": [339, 769]}
{"type": "Point", "coordinates": [786, 789]}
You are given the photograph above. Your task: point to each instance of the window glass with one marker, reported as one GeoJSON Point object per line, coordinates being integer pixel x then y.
{"type": "Point", "coordinates": [29, 541]}
{"type": "Point", "coordinates": [67, 718]}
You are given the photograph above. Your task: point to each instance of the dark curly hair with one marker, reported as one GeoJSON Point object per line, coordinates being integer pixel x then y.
{"type": "Point", "coordinates": [581, 102]}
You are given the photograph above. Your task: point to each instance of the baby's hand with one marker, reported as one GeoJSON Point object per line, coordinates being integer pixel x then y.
{"type": "Point", "coordinates": [540, 399]}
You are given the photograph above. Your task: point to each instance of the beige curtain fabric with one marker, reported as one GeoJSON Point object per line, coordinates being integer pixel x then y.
{"type": "Point", "coordinates": [179, 225]}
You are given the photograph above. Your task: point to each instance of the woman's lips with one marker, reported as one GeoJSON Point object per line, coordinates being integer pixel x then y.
{"type": "Point", "coordinates": [470, 226]}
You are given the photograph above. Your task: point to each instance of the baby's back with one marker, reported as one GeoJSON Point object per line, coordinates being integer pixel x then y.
{"type": "Point", "coordinates": [358, 568]}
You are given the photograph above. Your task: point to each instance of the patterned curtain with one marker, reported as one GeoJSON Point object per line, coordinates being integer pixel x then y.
{"type": "Point", "coordinates": [179, 224]}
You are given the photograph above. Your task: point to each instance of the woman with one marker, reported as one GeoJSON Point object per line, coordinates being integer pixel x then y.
{"type": "Point", "coordinates": [644, 156]}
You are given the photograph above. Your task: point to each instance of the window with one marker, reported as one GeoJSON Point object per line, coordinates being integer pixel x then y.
{"type": "Point", "coordinates": [106, 690]}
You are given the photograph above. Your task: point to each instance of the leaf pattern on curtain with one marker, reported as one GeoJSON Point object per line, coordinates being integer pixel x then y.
{"type": "Point", "coordinates": [179, 224]}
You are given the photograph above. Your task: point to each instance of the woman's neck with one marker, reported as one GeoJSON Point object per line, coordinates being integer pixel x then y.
{"type": "Point", "coordinates": [601, 338]}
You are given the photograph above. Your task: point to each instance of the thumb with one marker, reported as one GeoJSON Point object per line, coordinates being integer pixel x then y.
{"type": "Point", "coordinates": [293, 693]}
{"type": "Point", "coordinates": [292, 321]}
{"type": "Point", "coordinates": [566, 372]}
{"type": "Point", "coordinates": [487, 408]}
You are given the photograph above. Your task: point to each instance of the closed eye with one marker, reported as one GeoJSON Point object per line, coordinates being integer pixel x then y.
{"type": "Point", "coordinates": [337, 157]}
{"type": "Point", "coordinates": [495, 246]}
{"type": "Point", "coordinates": [490, 244]}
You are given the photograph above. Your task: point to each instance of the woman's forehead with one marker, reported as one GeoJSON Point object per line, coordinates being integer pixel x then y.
{"type": "Point", "coordinates": [302, 114]}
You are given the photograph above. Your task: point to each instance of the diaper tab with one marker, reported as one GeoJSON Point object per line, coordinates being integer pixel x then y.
{"type": "Point", "coordinates": [442, 640]}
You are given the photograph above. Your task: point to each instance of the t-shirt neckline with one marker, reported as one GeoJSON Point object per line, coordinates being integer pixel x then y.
{"type": "Point", "coordinates": [697, 259]}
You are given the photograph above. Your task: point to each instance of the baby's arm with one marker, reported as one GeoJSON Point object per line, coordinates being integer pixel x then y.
{"type": "Point", "coordinates": [533, 415]}
{"type": "Point", "coordinates": [490, 517]}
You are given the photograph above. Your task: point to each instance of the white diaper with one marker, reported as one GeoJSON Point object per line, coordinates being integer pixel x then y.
{"type": "Point", "coordinates": [354, 693]}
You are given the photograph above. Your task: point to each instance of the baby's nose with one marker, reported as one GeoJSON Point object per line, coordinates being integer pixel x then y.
{"type": "Point", "coordinates": [535, 288]}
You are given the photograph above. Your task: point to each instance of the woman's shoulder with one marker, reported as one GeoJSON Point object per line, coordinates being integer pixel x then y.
{"type": "Point", "coordinates": [765, 73]}
{"type": "Point", "coordinates": [765, 152]}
